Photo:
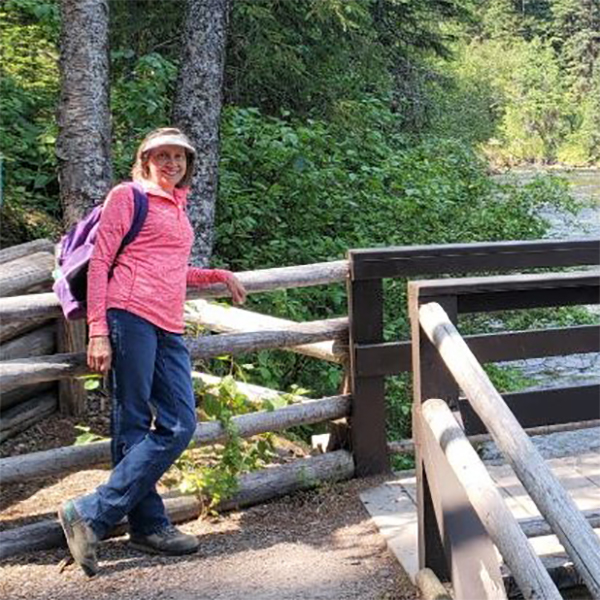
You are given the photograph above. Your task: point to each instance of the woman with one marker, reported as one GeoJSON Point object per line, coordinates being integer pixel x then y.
{"type": "Point", "coordinates": [135, 316]}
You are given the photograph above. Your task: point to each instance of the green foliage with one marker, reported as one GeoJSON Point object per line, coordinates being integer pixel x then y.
{"type": "Point", "coordinates": [138, 28]}
{"type": "Point", "coordinates": [402, 462]}
{"type": "Point", "coordinates": [289, 55]}
{"type": "Point", "coordinates": [519, 108]}
{"type": "Point", "coordinates": [140, 101]}
{"type": "Point", "coordinates": [213, 472]}
{"type": "Point", "coordinates": [351, 186]}
{"type": "Point", "coordinates": [507, 379]}
{"type": "Point", "coordinates": [28, 96]}
{"type": "Point", "coordinates": [527, 77]}
{"type": "Point", "coordinates": [87, 436]}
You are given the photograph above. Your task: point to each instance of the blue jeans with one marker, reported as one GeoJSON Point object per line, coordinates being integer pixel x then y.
{"type": "Point", "coordinates": [150, 368]}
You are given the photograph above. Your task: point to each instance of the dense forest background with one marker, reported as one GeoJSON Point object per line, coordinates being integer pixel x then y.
{"type": "Point", "coordinates": [346, 123]}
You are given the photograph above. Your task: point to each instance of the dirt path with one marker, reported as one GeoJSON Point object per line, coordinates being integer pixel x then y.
{"type": "Point", "coordinates": [313, 545]}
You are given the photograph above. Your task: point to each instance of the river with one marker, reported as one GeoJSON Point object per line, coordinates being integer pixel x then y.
{"type": "Point", "coordinates": [576, 369]}
{"type": "Point", "coordinates": [585, 187]}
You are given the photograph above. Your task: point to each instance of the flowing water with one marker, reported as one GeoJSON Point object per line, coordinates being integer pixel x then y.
{"type": "Point", "coordinates": [577, 369]}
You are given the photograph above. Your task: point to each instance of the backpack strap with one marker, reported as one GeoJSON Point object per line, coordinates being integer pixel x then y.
{"type": "Point", "coordinates": [140, 211]}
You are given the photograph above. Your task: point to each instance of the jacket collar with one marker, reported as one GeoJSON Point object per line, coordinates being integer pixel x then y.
{"type": "Point", "coordinates": [179, 195]}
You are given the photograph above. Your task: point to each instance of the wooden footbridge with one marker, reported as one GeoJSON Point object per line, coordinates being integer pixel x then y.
{"type": "Point", "coordinates": [467, 533]}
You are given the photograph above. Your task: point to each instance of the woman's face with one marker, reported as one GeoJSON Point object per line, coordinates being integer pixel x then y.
{"type": "Point", "coordinates": [167, 166]}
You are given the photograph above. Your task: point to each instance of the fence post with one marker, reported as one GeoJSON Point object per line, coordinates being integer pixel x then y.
{"type": "Point", "coordinates": [431, 379]}
{"type": "Point", "coordinates": [365, 311]}
{"type": "Point", "coordinates": [71, 338]}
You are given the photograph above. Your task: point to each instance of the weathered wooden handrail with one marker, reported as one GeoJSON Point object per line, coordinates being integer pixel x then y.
{"type": "Point", "coordinates": [525, 565]}
{"type": "Point", "coordinates": [39, 342]}
{"type": "Point", "coordinates": [21, 250]}
{"type": "Point", "coordinates": [407, 261]}
{"type": "Point", "coordinates": [60, 366]}
{"type": "Point", "coordinates": [27, 274]}
{"type": "Point", "coordinates": [557, 507]}
{"type": "Point", "coordinates": [264, 280]}
{"type": "Point", "coordinates": [280, 278]}
{"type": "Point", "coordinates": [227, 319]}
{"type": "Point", "coordinates": [60, 460]}
{"type": "Point", "coordinates": [285, 336]}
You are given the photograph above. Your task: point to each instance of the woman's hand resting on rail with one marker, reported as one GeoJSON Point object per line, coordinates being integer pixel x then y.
{"type": "Point", "coordinates": [237, 289]}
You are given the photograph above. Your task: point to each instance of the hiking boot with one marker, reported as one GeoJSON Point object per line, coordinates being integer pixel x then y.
{"type": "Point", "coordinates": [169, 541]}
{"type": "Point", "coordinates": [81, 539]}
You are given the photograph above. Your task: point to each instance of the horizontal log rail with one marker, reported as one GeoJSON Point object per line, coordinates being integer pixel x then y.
{"type": "Point", "coordinates": [27, 371]}
{"type": "Point", "coordinates": [38, 342]}
{"type": "Point", "coordinates": [405, 261]}
{"type": "Point", "coordinates": [285, 336]}
{"type": "Point", "coordinates": [264, 280]}
{"type": "Point", "coordinates": [26, 249]}
{"type": "Point", "coordinates": [227, 319]}
{"type": "Point", "coordinates": [69, 458]}
{"type": "Point", "coordinates": [27, 274]}
{"type": "Point", "coordinates": [23, 371]}
{"type": "Point", "coordinates": [13, 329]}
{"type": "Point", "coordinates": [537, 527]}
{"type": "Point", "coordinates": [553, 502]}
{"type": "Point", "coordinates": [253, 488]}
{"type": "Point", "coordinates": [27, 413]}
{"type": "Point", "coordinates": [280, 278]}
{"type": "Point", "coordinates": [442, 429]}
{"type": "Point", "coordinates": [392, 358]}
{"type": "Point", "coordinates": [21, 394]}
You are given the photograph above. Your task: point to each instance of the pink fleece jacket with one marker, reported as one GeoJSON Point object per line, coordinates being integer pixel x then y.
{"type": "Point", "coordinates": [151, 275]}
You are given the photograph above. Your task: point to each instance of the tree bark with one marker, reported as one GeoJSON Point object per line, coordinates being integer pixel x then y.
{"type": "Point", "coordinates": [197, 110]}
{"type": "Point", "coordinates": [83, 145]}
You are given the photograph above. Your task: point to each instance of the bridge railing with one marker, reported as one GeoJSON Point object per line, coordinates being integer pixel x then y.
{"type": "Point", "coordinates": [461, 513]}
{"type": "Point", "coordinates": [372, 359]}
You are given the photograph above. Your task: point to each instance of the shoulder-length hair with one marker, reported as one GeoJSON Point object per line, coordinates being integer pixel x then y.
{"type": "Point", "coordinates": [172, 135]}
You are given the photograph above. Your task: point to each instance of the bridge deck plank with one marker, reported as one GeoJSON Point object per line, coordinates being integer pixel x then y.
{"type": "Point", "coordinates": [392, 506]}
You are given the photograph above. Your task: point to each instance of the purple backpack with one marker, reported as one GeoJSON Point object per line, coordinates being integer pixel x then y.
{"type": "Point", "coordinates": [76, 248]}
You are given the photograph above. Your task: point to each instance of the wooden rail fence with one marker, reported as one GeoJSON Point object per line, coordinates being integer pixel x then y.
{"type": "Point", "coordinates": [354, 342]}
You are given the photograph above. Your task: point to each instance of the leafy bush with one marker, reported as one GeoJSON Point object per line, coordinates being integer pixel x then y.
{"type": "Point", "coordinates": [302, 191]}
{"type": "Point", "coordinates": [213, 471]}
{"type": "Point", "coordinates": [28, 96]}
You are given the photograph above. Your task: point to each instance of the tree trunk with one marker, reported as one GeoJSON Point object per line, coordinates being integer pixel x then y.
{"type": "Point", "coordinates": [83, 145]}
{"type": "Point", "coordinates": [197, 110]}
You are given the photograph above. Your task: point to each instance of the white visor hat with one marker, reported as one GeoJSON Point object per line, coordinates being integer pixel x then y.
{"type": "Point", "coordinates": [169, 139]}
